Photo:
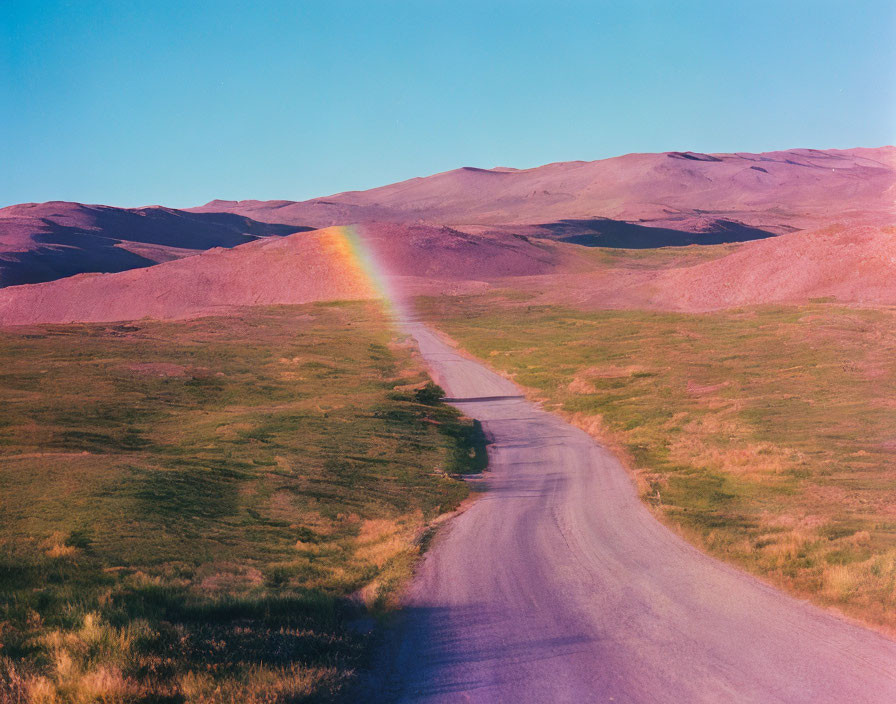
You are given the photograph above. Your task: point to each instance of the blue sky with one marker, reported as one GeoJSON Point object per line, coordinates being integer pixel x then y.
{"type": "Point", "coordinates": [135, 103]}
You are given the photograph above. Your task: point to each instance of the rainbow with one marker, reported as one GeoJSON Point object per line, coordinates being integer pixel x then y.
{"type": "Point", "coordinates": [352, 248]}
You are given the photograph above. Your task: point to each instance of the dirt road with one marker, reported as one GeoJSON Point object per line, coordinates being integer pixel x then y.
{"type": "Point", "coordinates": [559, 586]}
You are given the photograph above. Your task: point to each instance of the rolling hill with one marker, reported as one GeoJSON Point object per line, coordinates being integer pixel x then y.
{"type": "Point", "coordinates": [304, 267]}
{"type": "Point", "coordinates": [713, 197]}
{"type": "Point", "coordinates": [855, 265]}
{"type": "Point", "coordinates": [811, 224]}
{"type": "Point", "coordinates": [47, 241]}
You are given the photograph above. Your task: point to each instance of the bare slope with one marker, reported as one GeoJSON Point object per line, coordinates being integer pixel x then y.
{"type": "Point", "coordinates": [852, 265]}
{"type": "Point", "coordinates": [47, 241]}
{"type": "Point", "coordinates": [710, 194]}
{"type": "Point", "coordinates": [849, 264]}
{"type": "Point", "coordinates": [300, 268]}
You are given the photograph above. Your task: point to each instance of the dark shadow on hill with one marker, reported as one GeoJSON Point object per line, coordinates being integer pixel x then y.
{"type": "Point", "coordinates": [66, 250]}
{"type": "Point", "coordinates": [604, 232]}
{"type": "Point", "coordinates": [51, 263]}
{"type": "Point", "coordinates": [164, 227]}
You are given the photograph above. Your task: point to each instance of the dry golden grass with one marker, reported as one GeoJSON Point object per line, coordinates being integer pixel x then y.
{"type": "Point", "coordinates": [262, 685]}
{"type": "Point", "coordinates": [392, 545]}
{"type": "Point", "coordinates": [54, 546]}
{"type": "Point", "coordinates": [83, 670]}
{"type": "Point", "coordinates": [860, 581]}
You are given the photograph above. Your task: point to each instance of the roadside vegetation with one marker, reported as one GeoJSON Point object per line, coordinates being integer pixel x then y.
{"type": "Point", "coordinates": [766, 435]}
{"type": "Point", "coordinates": [213, 510]}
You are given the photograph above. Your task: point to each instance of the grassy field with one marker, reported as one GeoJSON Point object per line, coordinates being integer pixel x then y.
{"type": "Point", "coordinates": [768, 435]}
{"type": "Point", "coordinates": [187, 506]}
{"type": "Point", "coordinates": [662, 258]}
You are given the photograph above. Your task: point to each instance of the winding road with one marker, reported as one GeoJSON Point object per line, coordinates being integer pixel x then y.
{"type": "Point", "coordinates": [558, 585]}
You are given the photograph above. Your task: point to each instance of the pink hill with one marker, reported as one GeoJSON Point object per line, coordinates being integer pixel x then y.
{"type": "Point", "coordinates": [854, 265]}
{"type": "Point", "coordinates": [706, 194]}
{"type": "Point", "coordinates": [300, 268]}
{"type": "Point", "coordinates": [46, 241]}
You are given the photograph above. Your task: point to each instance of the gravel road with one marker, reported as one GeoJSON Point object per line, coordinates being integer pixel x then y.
{"type": "Point", "coordinates": [559, 586]}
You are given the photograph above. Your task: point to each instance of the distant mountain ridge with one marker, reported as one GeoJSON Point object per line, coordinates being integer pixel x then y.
{"type": "Point", "coordinates": [774, 192]}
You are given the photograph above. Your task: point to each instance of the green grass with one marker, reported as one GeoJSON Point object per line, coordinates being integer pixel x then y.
{"type": "Point", "coordinates": [766, 435]}
{"type": "Point", "coordinates": [657, 258]}
{"type": "Point", "coordinates": [187, 506]}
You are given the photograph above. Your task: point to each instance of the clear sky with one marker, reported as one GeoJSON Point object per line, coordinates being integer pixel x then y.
{"type": "Point", "coordinates": [134, 103]}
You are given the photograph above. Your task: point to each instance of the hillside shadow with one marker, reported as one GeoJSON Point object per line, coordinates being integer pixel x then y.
{"type": "Point", "coordinates": [58, 260]}
{"type": "Point", "coordinates": [604, 232]}
{"type": "Point", "coordinates": [163, 227]}
{"type": "Point", "coordinates": [67, 250]}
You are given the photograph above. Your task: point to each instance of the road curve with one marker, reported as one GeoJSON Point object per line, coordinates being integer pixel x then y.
{"type": "Point", "coordinates": [558, 585]}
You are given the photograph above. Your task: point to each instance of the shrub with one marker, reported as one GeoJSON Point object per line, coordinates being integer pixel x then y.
{"type": "Point", "coordinates": [430, 394]}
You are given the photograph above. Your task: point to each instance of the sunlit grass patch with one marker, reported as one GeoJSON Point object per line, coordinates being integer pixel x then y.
{"type": "Point", "coordinates": [188, 507]}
